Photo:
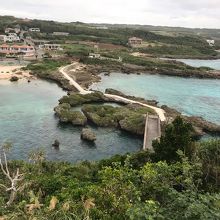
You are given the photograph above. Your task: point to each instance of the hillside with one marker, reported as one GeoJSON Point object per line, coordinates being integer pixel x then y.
{"type": "Point", "coordinates": [158, 40]}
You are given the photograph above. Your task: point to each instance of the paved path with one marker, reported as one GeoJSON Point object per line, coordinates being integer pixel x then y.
{"type": "Point", "coordinates": [152, 131]}
{"type": "Point", "coordinates": [64, 70]}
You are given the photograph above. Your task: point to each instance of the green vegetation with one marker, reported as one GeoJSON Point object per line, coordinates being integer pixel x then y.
{"type": "Point", "coordinates": [135, 186]}
{"type": "Point", "coordinates": [167, 41]}
{"type": "Point", "coordinates": [75, 99]}
{"type": "Point", "coordinates": [176, 136]}
{"type": "Point", "coordinates": [181, 51]}
{"type": "Point", "coordinates": [65, 114]}
{"type": "Point", "coordinates": [77, 50]}
{"type": "Point", "coordinates": [129, 118]}
{"type": "Point", "coordinates": [46, 66]}
{"type": "Point", "coordinates": [48, 69]}
{"type": "Point", "coordinates": [149, 64]}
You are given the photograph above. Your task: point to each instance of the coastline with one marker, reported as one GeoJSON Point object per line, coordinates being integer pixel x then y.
{"type": "Point", "coordinates": [86, 75]}
{"type": "Point", "coordinates": [6, 72]}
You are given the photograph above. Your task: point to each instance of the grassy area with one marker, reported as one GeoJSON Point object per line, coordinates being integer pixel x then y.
{"type": "Point", "coordinates": [77, 50]}
{"type": "Point", "coordinates": [179, 50]}
{"type": "Point", "coordinates": [46, 66]}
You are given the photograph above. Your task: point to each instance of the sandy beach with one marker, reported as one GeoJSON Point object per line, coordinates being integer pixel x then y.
{"type": "Point", "coordinates": [6, 72]}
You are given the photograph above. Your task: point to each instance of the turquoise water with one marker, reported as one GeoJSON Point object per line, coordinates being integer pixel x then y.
{"type": "Point", "coordinates": [198, 97]}
{"type": "Point", "coordinates": [214, 64]}
{"type": "Point", "coordinates": [27, 120]}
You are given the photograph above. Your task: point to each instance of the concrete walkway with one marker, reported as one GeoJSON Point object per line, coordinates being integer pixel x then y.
{"type": "Point", "coordinates": [75, 66]}
{"type": "Point", "coordinates": [152, 131]}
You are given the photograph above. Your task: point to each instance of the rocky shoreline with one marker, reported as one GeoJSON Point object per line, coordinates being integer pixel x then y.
{"type": "Point", "coordinates": [201, 126]}
{"type": "Point", "coordinates": [129, 118]}
{"type": "Point", "coordinates": [89, 74]}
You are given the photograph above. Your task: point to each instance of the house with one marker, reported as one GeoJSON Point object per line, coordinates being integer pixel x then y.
{"type": "Point", "coordinates": [51, 47]}
{"type": "Point", "coordinates": [27, 51]}
{"type": "Point", "coordinates": [11, 37]}
{"type": "Point", "coordinates": [2, 37]}
{"type": "Point", "coordinates": [135, 41]}
{"type": "Point", "coordinates": [16, 30]}
{"type": "Point", "coordinates": [211, 42]}
{"type": "Point", "coordinates": [34, 29]}
{"type": "Point", "coordinates": [61, 34]}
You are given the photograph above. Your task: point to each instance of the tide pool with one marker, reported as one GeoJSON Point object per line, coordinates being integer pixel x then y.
{"type": "Point", "coordinates": [197, 97]}
{"type": "Point", "coordinates": [27, 121]}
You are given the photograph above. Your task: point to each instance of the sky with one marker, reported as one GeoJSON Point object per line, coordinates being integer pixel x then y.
{"type": "Point", "coordinates": [184, 13]}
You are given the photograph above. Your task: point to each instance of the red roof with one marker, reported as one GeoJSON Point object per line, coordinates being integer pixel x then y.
{"type": "Point", "coordinates": [4, 45]}
{"type": "Point", "coordinates": [16, 46]}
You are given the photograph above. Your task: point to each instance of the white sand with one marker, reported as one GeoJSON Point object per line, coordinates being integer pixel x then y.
{"type": "Point", "coordinates": [6, 72]}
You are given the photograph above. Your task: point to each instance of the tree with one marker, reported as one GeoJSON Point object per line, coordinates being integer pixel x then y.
{"type": "Point", "coordinates": [13, 177]}
{"type": "Point", "coordinates": [178, 136]}
{"type": "Point", "coordinates": [209, 153]}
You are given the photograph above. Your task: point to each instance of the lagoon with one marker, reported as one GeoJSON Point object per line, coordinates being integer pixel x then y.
{"type": "Point", "coordinates": [27, 121]}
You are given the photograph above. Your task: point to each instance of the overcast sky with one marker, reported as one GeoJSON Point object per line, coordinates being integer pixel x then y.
{"type": "Point", "coordinates": [186, 13]}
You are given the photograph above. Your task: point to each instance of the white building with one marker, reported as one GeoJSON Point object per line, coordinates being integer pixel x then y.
{"type": "Point", "coordinates": [15, 30]}
{"type": "Point", "coordinates": [51, 47]}
{"type": "Point", "coordinates": [11, 37]}
{"type": "Point", "coordinates": [61, 34]}
{"type": "Point", "coordinates": [211, 42]}
{"type": "Point", "coordinates": [2, 37]}
{"type": "Point", "coordinates": [34, 29]}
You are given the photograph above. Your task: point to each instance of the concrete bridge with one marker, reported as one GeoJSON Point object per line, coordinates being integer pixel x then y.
{"type": "Point", "coordinates": [152, 131]}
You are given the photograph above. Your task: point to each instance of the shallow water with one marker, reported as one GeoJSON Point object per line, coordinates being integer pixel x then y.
{"type": "Point", "coordinates": [27, 120]}
{"type": "Point", "coordinates": [198, 97]}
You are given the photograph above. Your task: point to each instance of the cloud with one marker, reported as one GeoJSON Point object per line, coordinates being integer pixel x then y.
{"type": "Point", "coordinates": [188, 13]}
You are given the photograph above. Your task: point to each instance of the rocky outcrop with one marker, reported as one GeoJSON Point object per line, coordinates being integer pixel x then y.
{"type": "Point", "coordinates": [65, 114]}
{"type": "Point", "coordinates": [14, 79]}
{"type": "Point", "coordinates": [200, 125]}
{"type": "Point", "coordinates": [134, 124]}
{"type": "Point", "coordinates": [88, 135]}
{"type": "Point", "coordinates": [130, 118]}
{"type": "Point", "coordinates": [138, 99]}
{"type": "Point", "coordinates": [56, 144]}
{"type": "Point", "coordinates": [76, 99]}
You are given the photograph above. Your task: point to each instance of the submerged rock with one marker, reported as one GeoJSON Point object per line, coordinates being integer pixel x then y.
{"type": "Point", "coordinates": [56, 144]}
{"type": "Point", "coordinates": [14, 79]}
{"type": "Point", "coordinates": [88, 135]}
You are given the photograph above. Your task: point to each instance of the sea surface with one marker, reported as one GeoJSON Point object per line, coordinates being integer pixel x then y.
{"type": "Point", "coordinates": [214, 64]}
{"type": "Point", "coordinates": [197, 97]}
{"type": "Point", "coordinates": [27, 121]}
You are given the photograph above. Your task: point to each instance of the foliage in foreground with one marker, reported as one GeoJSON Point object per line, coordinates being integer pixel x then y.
{"type": "Point", "coordinates": [136, 186]}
